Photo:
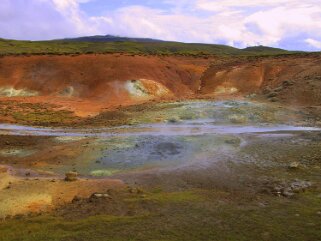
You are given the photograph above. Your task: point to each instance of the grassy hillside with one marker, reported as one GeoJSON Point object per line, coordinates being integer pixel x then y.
{"type": "Point", "coordinates": [264, 49]}
{"type": "Point", "coordinates": [9, 47]}
{"type": "Point", "coordinates": [110, 38]}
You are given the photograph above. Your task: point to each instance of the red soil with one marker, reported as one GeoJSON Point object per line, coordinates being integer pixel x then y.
{"type": "Point", "coordinates": [98, 81]}
{"type": "Point", "coordinates": [266, 75]}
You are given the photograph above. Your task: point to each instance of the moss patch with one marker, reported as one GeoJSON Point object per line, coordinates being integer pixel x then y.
{"type": "Point", "coordinates": [240, 220]}
{"type": "Point", "coordinates": [35, 113]}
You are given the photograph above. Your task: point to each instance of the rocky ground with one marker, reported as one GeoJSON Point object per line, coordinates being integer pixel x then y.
{"type": "Point", "coordinates": [63, 90]}
{"type": "Point", "coordinates": [214, 186]}
{"type": "Point", "coordinates": [129, 151]}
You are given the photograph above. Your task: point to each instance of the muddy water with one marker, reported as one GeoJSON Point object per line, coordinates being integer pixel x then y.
{"type": "Point", "coordinates": [182, 129]}
{"type": "Point", "coordinates": [193, 133]}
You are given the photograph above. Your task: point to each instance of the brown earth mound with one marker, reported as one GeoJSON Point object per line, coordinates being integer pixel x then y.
{"type": "Point", "coordinates": [98, 76]}
{"type": "Point", "coordinates": [88, 84]}
{"type": "Point", "coordinates": [291, 79]}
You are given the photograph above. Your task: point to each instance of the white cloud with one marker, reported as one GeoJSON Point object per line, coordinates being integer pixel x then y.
{"type": "Point", "coordinates": [234, 22]}
{"type": "Point", "coordinates": [314, 43]}
{"type": "Point", "coordinates": [71, 12]}
{"type": "Point", "coordinates": [280, 22]}
{"type": "Point", "coordinates": [266, 26]}
{"type": "Point", "coordinates": [43, 19]}
{"type": "Point", "coordinates": [220, 5]}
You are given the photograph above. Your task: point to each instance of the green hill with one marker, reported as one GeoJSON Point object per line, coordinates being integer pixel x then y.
{"type": "Point", "coordinates": [265, 49]}
{"type": "Point", "coordinates": [110, 38]}
{"type": "Point", "coordinates": [97, 44]}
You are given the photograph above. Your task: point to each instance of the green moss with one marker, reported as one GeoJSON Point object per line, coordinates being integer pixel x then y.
{"type": "Point", "coordinates": [176, 197]}
{"type": "Point", "coordinates": [36, 113]}
{"type": "Point", "coordinates": [103, 172]}
{"type": "Point", "coordinates": [42, 118]}
{"type": "Point", "coordinates": [56, 229]}
{"type": "Point", "coordinates": [282, 219]}
{"type": "Point", "coordinates": [170, 197]}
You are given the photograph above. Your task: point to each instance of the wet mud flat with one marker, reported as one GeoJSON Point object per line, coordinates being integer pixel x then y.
{"type": "Point", "coordinates": [206, 178]}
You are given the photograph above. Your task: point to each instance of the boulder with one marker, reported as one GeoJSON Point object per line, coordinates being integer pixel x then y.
{"type": "Point", "coordinates": [287, 83]}
{"type": "Point", "coordinates": [294, 165]}
{"type": "Point", "coordinates": [287, 189]}
{"type": "Point", "coordinates": [76, 199]}
{"type": "Point", "coordinates": [300, 186]}
{"type": "Point", "coordinates": [237, 119]}
{"type": "Point", "coordinates": [99, 196]}
{"type": "Point", "coordinates": [233, 141]}
{"type": "Point", "coordinates": [71, 176]}
{"type": "Point", "coordinates": [272, 94]}
{"type": "Point", "coordinates": [173, 120]}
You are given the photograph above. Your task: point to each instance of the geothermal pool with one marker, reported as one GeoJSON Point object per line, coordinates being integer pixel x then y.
{"type": "Point", "coordinates": [192, 133]}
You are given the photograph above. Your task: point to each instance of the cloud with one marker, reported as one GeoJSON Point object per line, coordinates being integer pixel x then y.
{"type": "Point", "coordinates": [314, 43]}
{"type": "Point", "coordinates": [221, 5]}
{"type": "Point", "coordinates": [233, 22]}
{"type": "Point", "coordinates": [280, 22]}
{"type": "Point", "coordinates": [265, 26]}
{"type": "Point", "coordinates": [42, 19]}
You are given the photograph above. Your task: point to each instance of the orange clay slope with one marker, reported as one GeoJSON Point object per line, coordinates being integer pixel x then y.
{"type": "Point", "coordinates": [292, 79]}
{"type": "Point", "coordinates": [88, 84]}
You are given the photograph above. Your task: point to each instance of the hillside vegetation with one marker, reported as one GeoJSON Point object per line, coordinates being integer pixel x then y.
{"type": "Point", "coordinates": [132, 46]}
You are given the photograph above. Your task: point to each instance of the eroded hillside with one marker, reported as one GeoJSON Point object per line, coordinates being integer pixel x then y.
{"type": "Point", "coordinates": [104, 80]}
{"type": "Point", "coordinates": [289, 79]}
{"type": "Point", "coordinates": [86, 85]}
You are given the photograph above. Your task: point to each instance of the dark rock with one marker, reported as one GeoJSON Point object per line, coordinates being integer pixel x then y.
{"type": "Point", "coordinates": [71, 176]}
{"type": "Point", "coordinates": [300, 186]}
{"type": "Point", "coordinates": [286, 189]}
{"type": "Point", "coordinates": [287, 192]}
{"type": "Point", "coordinates": [287, 83]}
{"type": "Point", "coordinates": [278, 89]}
{"type": "Point", "coordinates": [173, 120]}
{"type": "Point", "coordinates": [76, 199]}
{"type": "Point", "coordinates": [233, 141]}
{"type": "Point", "coordinates": [272, 94]}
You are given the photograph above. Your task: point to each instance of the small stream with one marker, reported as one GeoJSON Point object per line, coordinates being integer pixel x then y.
{"type": "Point", "coordinates": [207, 137]}
{"type": "Point", "coordinates": [163, 129]}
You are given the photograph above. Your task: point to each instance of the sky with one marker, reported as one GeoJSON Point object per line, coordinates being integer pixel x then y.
{"type": "Point", "coordinates": [289, 24]}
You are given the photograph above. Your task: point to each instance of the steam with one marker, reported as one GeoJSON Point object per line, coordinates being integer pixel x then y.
{"type": "Point", "coordinates": [12, 92]}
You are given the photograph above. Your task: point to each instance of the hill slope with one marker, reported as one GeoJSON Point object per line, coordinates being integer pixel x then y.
{"type": "Point", "coordinates": [110, 38]}
{"type": "Point", "coordinates": [265, 49]}
{"type": "Point", "coordinates": [111, 44]}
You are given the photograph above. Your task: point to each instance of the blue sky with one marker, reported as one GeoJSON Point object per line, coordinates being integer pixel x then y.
{"type": "Point", "coordinates": [99, 7]}
{"type": "Point", "coordinates": [290, 24]}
